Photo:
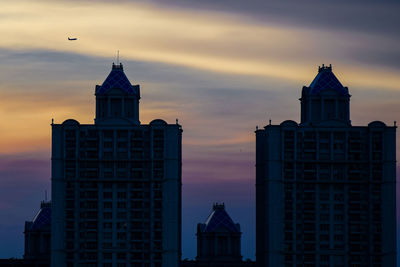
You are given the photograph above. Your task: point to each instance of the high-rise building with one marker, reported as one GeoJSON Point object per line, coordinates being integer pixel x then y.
{"type": "Point", "coordinates": [326, 190]}
{"type": "Point", "coordinates": [116, 185]}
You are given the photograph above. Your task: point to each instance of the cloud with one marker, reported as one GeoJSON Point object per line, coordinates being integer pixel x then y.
{"type": "Point", "coordinates": [360, 15]}
{"type": "Point", "coordinates": [207, 40]}
{"type": "Point", "coordinates": [383, 55]}
{"type": "Point", "coordinates": [28, 104]}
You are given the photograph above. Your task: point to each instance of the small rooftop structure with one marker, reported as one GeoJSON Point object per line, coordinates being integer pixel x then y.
{"type": "Point", "coordinates": [42, 218]}
{"type": "Point", "coordinates": [37, 235]}
{"type": "Point", "coordinates": [324, 80]}
{"type": "Point", "coordinates": [117, 100]}
{"type": "Point", "coordinates": [218, 239]}
{"type": "Point", "coordinates": [219, 220]}
{"type": "Point", "coordinates": [117, 79]}
{"type": "Point", "coordinates": [326, 101]}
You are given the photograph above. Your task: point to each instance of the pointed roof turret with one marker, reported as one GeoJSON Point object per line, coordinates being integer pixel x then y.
{"type": "Point", "coordinates": [326, 101]}
{"type": "Point", "coordinates": [117, 79]}
{"type": "Point", "coordinates": [117, 100]}
{"type": "Point", "coordinates": [326, 80]}
{"type": "Point", "coordinates": [42, 218]}
{"type": "Point", "coordinates": [218, 239]}
{"type": "Point", "coordinates": [219, 220]}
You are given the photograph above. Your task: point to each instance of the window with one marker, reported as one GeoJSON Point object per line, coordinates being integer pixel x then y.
{"type": "Point", "coordinates": [324, 217]}
{"type": "Point", "coordinates": [324, 237]}
{"type": "Point", "coordinates": [121, 215]}
{"type": "Point", "coordinates": [324, 196]}
{"type": "Point", "coordinates": [107, 245]}
{"type": "Point", "coordinates": [107, 235]}
{"type": "Point", "coordinates": [108, 155]}
{"type": "Point", "coordinates": [121, 205]}
{"type": "Point", "coordinates": [339, 217]}
{"type": "Point", "coordinates": [108, 144]}
{"type": "Point", "coordinates": [107, 225]}
{"type": "Point", "coordinates": [116, 107]}
{"type": "Point", "coordinates": [121, 194]}
{"type": "Point", "coordinates": [121, 236]}
{"type": "Point", "coordinates": [107, 256]}
{"type": "Point", "coordinates": [339, 197]}
{"type": "Point", "coordinates": [339, 207]}
{"type": "Point", "coordinates": [324, 227]}
{"type": "Point", "coordinates": [324, 258]}
{"type": "Point", "coordinates": [107, 215]}
{"type": "Point", "coordinates": [339, 227]}
{"type": "Point", "coordinates": [339, 237]}
{"type": "Point", "coordinates": [107, 185]}
{"type": "Point", "coordinates": [107, 194]}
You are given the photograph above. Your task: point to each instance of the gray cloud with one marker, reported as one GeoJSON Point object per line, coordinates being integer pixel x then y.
{"type": "Point", "coordinates": [380, 55]}
{"type": "Point", "coordinates": [367, 16]}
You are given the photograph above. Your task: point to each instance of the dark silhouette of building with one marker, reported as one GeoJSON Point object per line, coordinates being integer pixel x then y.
{"type": "Point", "coordinates": [218, 239]}
{"type": "Point", "coordinates": [326, 190]}
{"type": "Point", "coordinates": [116, 185]}
{"type": "Point", "coordinates": [218, 242]}
{"type": "Point", "coordinates": [37, 235]}
{"type": "Point", "coordinates": [37, 240]}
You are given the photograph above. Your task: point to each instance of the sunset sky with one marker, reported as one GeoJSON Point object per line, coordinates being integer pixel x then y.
{"type": "Point", "coordinates": [220, 67]}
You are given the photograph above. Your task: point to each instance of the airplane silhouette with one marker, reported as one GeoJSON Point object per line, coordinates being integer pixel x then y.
{"type": "Point", "coordinates": [72, 39]}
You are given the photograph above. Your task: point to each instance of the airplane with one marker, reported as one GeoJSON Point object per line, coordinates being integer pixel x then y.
{"type": "Point", "coordinates": [72, 39]}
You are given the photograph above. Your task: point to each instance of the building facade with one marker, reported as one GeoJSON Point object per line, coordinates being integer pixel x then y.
{"type": "Point", "coordinates": [326, 190]}
{"type": "Point", "coordinates": [116, 185]}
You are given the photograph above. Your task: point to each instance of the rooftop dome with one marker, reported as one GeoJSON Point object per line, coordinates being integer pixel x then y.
{"type": "Point", "coordinates": [218, 220]}
{"type": "Point", "coordinates": [116, 79]}
{"type": "Point", "coordinates": [326, 80]}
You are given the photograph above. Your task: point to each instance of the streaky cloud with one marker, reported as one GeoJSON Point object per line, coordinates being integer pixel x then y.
{"type": "Point", "coordinates": [216, 42]}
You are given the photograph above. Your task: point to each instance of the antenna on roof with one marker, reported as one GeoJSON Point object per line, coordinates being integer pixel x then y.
{"type": "Point", "coordinates": [117, 57]}
{"type": "Point", "coordinates": [45, 195]}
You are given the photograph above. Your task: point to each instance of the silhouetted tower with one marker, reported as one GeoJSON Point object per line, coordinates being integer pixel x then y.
{"type": "Point", "coordinates": [117, 100]}
{"type": "Point", "coordinates": [325, 101]}
{"type": "Point", "coordinates": [37, 234]}
{"type": "Point", "coordinates": [218, 239]}
{"type": "Point", "coordinates": [325, 190]}
{"type": "Point", "coordinates": [116, 185]}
